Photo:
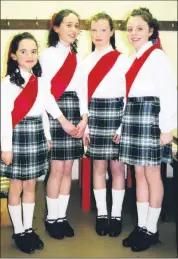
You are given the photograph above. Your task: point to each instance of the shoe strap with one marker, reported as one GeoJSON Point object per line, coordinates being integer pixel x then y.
{"type": "Point", "coordinates": [117, 217]}
{"type": "Point", "coordinates": [30, 230]}
{"type": "Point", "coordinates": [102, 216]}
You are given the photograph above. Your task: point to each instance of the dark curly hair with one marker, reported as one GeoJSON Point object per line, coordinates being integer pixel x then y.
{"type": "Point", "coordinates": [104, 16]}
{"type": "Point", "coordinates": [12, 65]}
{"type": "Point", "coordinates": [57, 19]}
{"type": "Point", "coordinates": [147, 17]}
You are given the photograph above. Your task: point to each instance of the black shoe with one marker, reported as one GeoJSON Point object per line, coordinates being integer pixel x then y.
{"type": "Point", "coordinates": [134, 235]}
{"type": "Point", "coordinates": [34, 238]}
{"type": "Point", "coordinates": [53, 229]}
{"type": "Point", "coordinates": [22, 243]}
{"type": "Point", "coordinates": [115, 226]}
{"type": "Point", "coordinates": [67, 229]}
{"type": "Point", "coordinates": [145, 242]}
{"type": "Point", "coordinates": [102, 225]}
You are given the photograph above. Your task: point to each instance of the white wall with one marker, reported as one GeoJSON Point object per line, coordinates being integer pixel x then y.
{"type": "Point", "coordinates": [162, 10]}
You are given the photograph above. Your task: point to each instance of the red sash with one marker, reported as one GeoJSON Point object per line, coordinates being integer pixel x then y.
{"type": "Point", "coordinates": [25, 100]}
{"type": "Point", "coordinates": [64, 75]}
{"type": "Point", "coordinates": [135, 68]}
{"type": "Point", "coordinates": [100, 70]}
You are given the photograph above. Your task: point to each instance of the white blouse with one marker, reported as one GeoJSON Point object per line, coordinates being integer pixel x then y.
{"type": "Point", "coordinates": [113, 84]}
{"type": "Point", "coordinates": [52, 59]}
{"type": "Point", "coordinates": [44, 101]}
{"type": "Point", "coordinates": [156, 78]}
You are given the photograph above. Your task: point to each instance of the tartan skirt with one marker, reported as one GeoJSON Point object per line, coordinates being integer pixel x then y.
{"type": "Point", "coordinates": [140, 136]}
{"type": "Point", "coordinates": [63, 146]}
{"type": "Point", "coordinates": [105, 118]}
{"type": "Point", "coordinates": [30, 153]}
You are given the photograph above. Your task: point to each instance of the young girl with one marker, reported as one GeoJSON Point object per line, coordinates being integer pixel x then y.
{"type": "Point", "coordinates": [61, 65]}
{"type": "Point", "coordinates": [106, 68]}
{"type": "Point", "coordinates": [147, 124]}
{"type": "Point", "coordinates": [25, 135]}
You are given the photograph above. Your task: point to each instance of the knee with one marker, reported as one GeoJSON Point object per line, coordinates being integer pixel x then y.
{"type": "Point", "coordinates": [15, 187]}
{"type": "Point", "coordinates": [29, 186]}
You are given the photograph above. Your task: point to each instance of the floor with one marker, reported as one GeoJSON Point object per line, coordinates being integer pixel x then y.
{"type": "Point", "coordinates": [85, 243]}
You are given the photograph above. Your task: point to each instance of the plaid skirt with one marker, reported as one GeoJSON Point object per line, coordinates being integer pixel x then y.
{"type": "Point", "coordinates": [30, 153]}
{"type": "Point", "coordinates": [105, 118]}
{"type": "Point", "coordinates": [140, 136]}
{"type": "Point", "coordinates": [63, 146]}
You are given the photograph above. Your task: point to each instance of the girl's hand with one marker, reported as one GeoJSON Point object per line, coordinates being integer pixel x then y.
{"type": "Point", "coordinates": [81, 128]}
{"type": "Point", "coordinates": [7, 157]}
{"type": "Point", "coordinates": [165, 138]}
{"type": "Point", "coordinates": [86, 139]}
{"type": "Point", "coordinates": [49, 145]}
{"type": "Point", "coordinates": [116, 138]}
{"type": "Point", "coordinates": [67, 126]}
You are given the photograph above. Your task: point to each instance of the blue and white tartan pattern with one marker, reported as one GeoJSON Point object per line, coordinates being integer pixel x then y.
{"type": "Point", "coordinates": [105, 118]}
{"type": "Point", "coordinates": [30, 153]}
{"type": "Point", "coordinates": [63, 146]}
{"type": "Point", "coordinates": [140, 136]}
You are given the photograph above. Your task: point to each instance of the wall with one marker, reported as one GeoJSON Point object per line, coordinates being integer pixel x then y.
{"type": "Point", "coordinates": [117, 9]}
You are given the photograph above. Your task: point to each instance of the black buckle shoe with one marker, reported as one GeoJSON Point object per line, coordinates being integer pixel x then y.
{"type": "Point", "coordinates": [53, 229]}
{"type": "Point", "coordinates": [134, 235]}
{"type": "Point", "coordinates": [22, 243]}
{"type": "Point", "coordinates": [67, 229]}
{"type": "Point", "coordinates": [102, 225]}
{"type": "Point", "coordinates": [115, 226]}
{"type": "Point", "coordinates": [145, 242]}
{"type": "Point", "coordinates": [34, 238]}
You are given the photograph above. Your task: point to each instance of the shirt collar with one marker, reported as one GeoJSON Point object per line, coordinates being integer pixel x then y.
{"type": "Point", "coordinates": [140, 52]}
{"type": "Point", "coordinates": [25, 74]}
{"type": "Point", "coordinates": [104, 51]}
{"type": "Point", "coordinates": [63, 47]}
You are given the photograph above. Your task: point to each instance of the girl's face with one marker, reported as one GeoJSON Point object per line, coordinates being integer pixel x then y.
{"type": "Point", "coordinates": [101, 33]}
{"type": "Point", "coordinates": [68, 29]}
{"type": "Point", "coordinates": [138, 31]}
{"type": "Point", "coordinates": [26, 54]}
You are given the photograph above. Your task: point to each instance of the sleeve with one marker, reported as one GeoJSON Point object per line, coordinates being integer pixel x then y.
{"type": "Point", "coordinates": [82, 89]}
{"type": "Point", "coordinates": [166, 84]}
{"type": "Point", "coordinates": [126, 65]}
{"type": "Point", "coordinates": [46, 125]}
{"type": "Point", "coordinates": [51, 105]}
{"type": "Point", "coordinates": [7, 105]}
{"type": "Point", "coordinates": [45, 63]}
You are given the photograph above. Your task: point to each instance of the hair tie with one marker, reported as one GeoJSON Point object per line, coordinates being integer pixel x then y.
{"type": "Point", "coordinates": [157, 42]}
{"type": "Point", "coordinates": [52, 21]}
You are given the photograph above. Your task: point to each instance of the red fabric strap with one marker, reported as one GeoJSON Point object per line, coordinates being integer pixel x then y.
{"type": "Point", "coordinates": [135, 68]}
{"type": "Point", "coordinates": [25, 100]}
{"type": "Point", "coordinates": [63, 76]}
{"type": "Point", "coordinates": [99, 71]}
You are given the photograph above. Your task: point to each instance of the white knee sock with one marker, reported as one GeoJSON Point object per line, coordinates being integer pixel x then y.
{"type": "Point", "coordinates": [152, 219]}
{"type": "Point", "coordinates": [16, 217]}
{"type": "Point", "coordinates": [28, 211]}
{"type": "Point", "coordinates": [117, 201]}
{"type": "Point", "coordinates": [100, 197]}
{"type": "Point", "coordinates": [142, 212]}
{"type": "Point", "coordinates": [52, 205]}
{"type": "Point", "coordinates": [62, 205]}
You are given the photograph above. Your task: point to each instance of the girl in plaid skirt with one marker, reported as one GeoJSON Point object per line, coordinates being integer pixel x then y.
{"type": "Point", "coordinates": [147, 124]}
{"type": "Point", "coordinates": [61, 66]}
{"type": "Point", "coordinates": [25, 135]}
{"type": "Point", "coordinates": [106, 68]}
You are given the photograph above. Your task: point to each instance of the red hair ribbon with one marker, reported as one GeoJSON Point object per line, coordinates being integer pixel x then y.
{"type": "Point", "coordinates": [52, 21]}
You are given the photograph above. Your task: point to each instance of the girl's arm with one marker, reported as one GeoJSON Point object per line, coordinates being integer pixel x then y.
{"type": "Point", "coordinates": [7, 105]}
{"type": "Point", "coordinates": [167, 93]}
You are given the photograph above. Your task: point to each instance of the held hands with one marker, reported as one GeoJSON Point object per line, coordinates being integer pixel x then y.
{"type": "Point", "coordinates": [116, 138]}
{"type": "Point", "coordinates": [86, 139]}
{"type": "Point", "coordinates": [67, 126]}
{"type": "Point", "coordinates": [165, 138]}
{"type": "Point", "coordinates": [7, 157]}
{"type": "Point", "coordinates": [81, 128]}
